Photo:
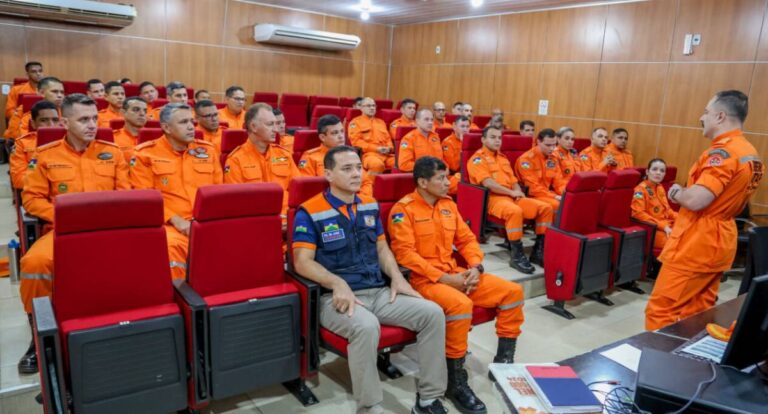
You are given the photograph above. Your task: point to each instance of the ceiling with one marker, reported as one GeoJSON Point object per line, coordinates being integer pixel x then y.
{"type": "Point", "coordinates": [397, 12]}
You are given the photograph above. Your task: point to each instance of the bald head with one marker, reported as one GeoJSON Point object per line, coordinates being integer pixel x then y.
{"type": "Point", "coordinates": [438, 111]}
{"type": "Point", "coordinates": [424, 120]}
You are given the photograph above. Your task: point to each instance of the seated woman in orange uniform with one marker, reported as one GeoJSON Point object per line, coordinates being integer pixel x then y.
{"type": "Point", "coordinates": [650, 204]}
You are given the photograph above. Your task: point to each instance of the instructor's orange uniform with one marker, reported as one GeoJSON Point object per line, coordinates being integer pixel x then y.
{"type": "Point", "coordinates": [415, 145]}
{"type": "Point", "coordinates": [370, 134]}
{"type": "Point", "coordinates": [541, 175]}
{"type": "Point", "coordinates": [400, 122]}
{"type": "Point", "coordinates": [126, 141]}
{"type": "Point", "coordinates": [452, 152]}
{"type": "Point", "coordinates": [591, 159]}
{"type": "Point", "coordinates": [623, 157]}
{"type": "Point", "coordinates": [422, 239]}
{"type": "Point", "coordinates": [703, 243]}
{"type": "Point", "coordinates": [177, 175]}
{"type": "Point", "coordinates": [234, 121]}
{"type": "Point", "coordinates": [311, 165]}
{"type": "Point", "coordinates": [650, 204]}
{"type": "Point", "coordinates": [568, 160]}
{"type": "Point", "coordinates": [57, 168]}
{"type": "Point", "coordinates": [486, 164]}
{"type": "Point", "coordinates": [23, 152]}
{"type": "Point", "coordinates": [12, 101]}
{"type": "Point", "coordinates": [107, 114]}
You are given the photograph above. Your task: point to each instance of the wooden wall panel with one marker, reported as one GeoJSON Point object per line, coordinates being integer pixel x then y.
{"type": "Point", "coordinates": [199, 21]}
{"type": "Point", "coordinates": [341, 78]}
{"type": "Point", "coordinates": [631, 91]}
{"type": "Point", "coordinates": [375, 81]}
{"type": "Point", "coordinates": [12, 42]}
{"type": "Point", "coordinates": [575, 35]}
{"type": "Point", "coordinates": [346, 26]}
{"type": "Point", "coordinates": [416, 43]}
{"type": "Point", "coordinates": [522, 37]}
{"type": "Point", "coordinates": [472, 84]}
{"type": "Point", "coordinates": [196, 66]}
{"type": "Point", "coordinates": [639, 31]}
{"type": "Point", "coordinates": [762, 48]}
{"type": "Point", "coordinates": [570, 88]}
{"type": "Point", "coordinates": [149, 22]}
{"type": "Point", "coordinates": [757, 120]}
{"type": "Point", "coordinates": [477, 43]}
{"type": "Point", "coordinates": [517, 87]}
{"type": "Point", "coordinates": [729, 29]}
{"type": "Point", "coordinates": [376, 42]}
{"type": "Point", "coordinates": [682, 147]}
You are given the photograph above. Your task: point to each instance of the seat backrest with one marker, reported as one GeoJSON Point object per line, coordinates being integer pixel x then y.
{"type": "Point", "coordinates": [303, 140]}
{"type": "Point", "coordinates": [105, 134]}
{"type": "Point", "coordinates": [579, 144]}
{"type": "Point", "coordinates": [46, 135]}
{"type": "Point", "coordinates": [28, 100]}
{"type": "Point", "coordinates": [71, 87]}
{"type": "Point", "coordinates": [269, 98]}
{"type": "Point", "coordinates": [321, 110]}
{"type": "Point", "coordinates": [131, 89]}
{"type": "Point", "coordinates": [481, 120]}
{"type": "Point", "coordinates": [443, 133]}
{"type": "Point", "coordinates": [148, 134]}
{"type": "Point", "coordinates": [294, 107]}
{"type": "Point", "coordinates": [117, 123]}
{"type": "Point", "coordinates": [450, 118]}
{"type": "Point", "coordinates": [95, 255]}
{"type": "Point", "coordinates": [402, 131]}
{"type": "Point", "coordinates": [640, 170]}
{"type": "Point", "coordinates": [159, 102]}
{"type": "Point", "coordinates": [231, 139]}
{"type": "Point", "coordinates": [469, 145]}
{"type": "Point", "coordinates": [383, 103]}
{"type": "Point", "coordinates": [152, 123]}
{"type": "Point", "coordinates": [161, 92]}
{"type": "Point", "coordinates": [510, 132]}
{"type": "Point", "coordinates": [350, 114]}
{"type": "Point", "coordinates": [220, 105]}
{"type": "Point", "coordinates": [316, 100]}
{"type": "Point", "coordinates": [101, 103]}
{"type": "Point", "coordinates": [580, 205]}
{"type": "Point", "coordinates": [616, 198]}
{"type": "Point", "coordinates": [236, 238]}
{"type": "Point", "coordinates": [19, 81]}
{"type": "Point", "coordinates": [513, 146]}
{"type": "Point", "coordinates": [300, 190]}
{"type": "Point", "coordinates": [346, 101]}
{"type": "Point", "coordinates": [388, 115]}
{"type": "Point", "coordinates": [388, 189]}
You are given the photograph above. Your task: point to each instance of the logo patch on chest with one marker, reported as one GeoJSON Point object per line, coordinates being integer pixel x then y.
{"type": "Point", "coordinates": [333, 235]}
{"type": "Point", "coordinates": [370, 221]}
{"type": "Point", "coordinates": [104, 156]}
{"type": "Point", "coordinates": [526, 165]}
{"type": "Point", "coordinates": [63, 188]}
{"type": "Point", "coordinates": [550, 164]}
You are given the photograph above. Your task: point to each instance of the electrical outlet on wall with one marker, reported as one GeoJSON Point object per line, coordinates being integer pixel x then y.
{"type": "Point", "coordinates": [543, 107]}
{"type": "Point", "coordinates": [437, 50]}
{"type": "Point", "coordinates": [6, 89]}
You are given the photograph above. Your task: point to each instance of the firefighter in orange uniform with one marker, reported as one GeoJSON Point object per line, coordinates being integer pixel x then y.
{"type": "Point", "coordinates": [44, 114]}
{"type": "Point", "coordinates": [78, 163]}
{"type": "Point", "coordinates": [452, 143]}
{"type": "Point", "coordinates": [492, 170]}
{"type": "Point", "coordinates": [618, 148]}
{"type": "Point", "coordinates": [370, 133]}
{"type": "Point", "coordinates": [34, 74]}
{"type": "Point", "coordinates": [234, 113]}
{"type": "Point", "coordinates": [286, 139]}
{"type": "Point", "coordinates": [330, 130]}
{"type": "Point", "coordinates": [438, 111]}
{"type": "Point", "coordinates": [703, 241]}
{"type": "Point", "coordinates": [175, 92]}
{"type": "Point", "coordinates": [408, 111]}
{"type": "Point", "coordinates": [567, 156]}
{"type": "Point", "coordinates": [540, 171]}
{"type": "Point", "coordinates": [595, 157]}
{"type": "Point", "coordinates": [115, 96]}
{"type": "Point", "coordinates": [422, 142]}
{"type": "Point", "coordinates": [135, 116]}
{"type": "Point", "coordinates": [149, 93]}
{"type": "Point", "coordinates": [51, 89]}
{"type": "Point", "coordinates": [259, 159]}
{"type": "Point", "coordinates": [95, 89]}
{"type": "Point", "coordinates": [650, 204]}
{"type": "Point", "coordinates": [423, 227]}
{"type": "Point", "coordinates": [177, 165]}
{"type": "Point", "coordinates": [208, 122]}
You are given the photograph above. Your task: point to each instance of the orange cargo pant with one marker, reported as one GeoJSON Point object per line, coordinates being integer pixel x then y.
{"type": "Point", "coordinates": [492, 292]}
{"type": "Point", "coordinates": [660, 239]}
{"type": "Point", "coordinates": [36, 269]}
{"type": "Point", "coordinates": [513, 212]}
{"type": "Point", "coordinates": [553, 202]}
{"type": "Point", "coordinates": [678, 294]}
{"type": "Point", "coordinates": [178, 246]}
{"type": "Point", "coordinates": [376, 163]}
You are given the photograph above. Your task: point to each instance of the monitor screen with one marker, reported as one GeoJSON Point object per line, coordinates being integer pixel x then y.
{"type": "Point", "coordinates": [749, 342]}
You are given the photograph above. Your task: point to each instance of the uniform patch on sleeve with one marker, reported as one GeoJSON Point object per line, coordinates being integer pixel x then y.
{"type": "Point", "coordinates": [584, 157]}
{"type": "Point", "coordinates": [526, 165]}
{"type": "Point", "coordinates": [133, 162]}
{"type": "Point", "coordinates": [301, 229]}
{"type": "Point", "coordinates": [302, 163]}
{"type": "Point", "coordinates": [226, 169]}
{"type": "Point", "coordinates": [720, 152]}
{"type": "Point", "coordinates": [32, 164]}
{"type": "Point", "coordinates": [352, 125]}
{"type": "Point", "coordinates": [403, 144]}
{"type": "Point", "coordinates": [477, 160]}
{"type": "Point", "coordinates": [397, 218]}
{"type": "Point", "coordinates": [639, 195]}
{"type": "Point", "coordinates": [445, 148]}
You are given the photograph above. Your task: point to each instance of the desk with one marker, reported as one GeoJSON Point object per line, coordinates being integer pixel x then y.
{"type": "Point", "coordinates": [722, 314]}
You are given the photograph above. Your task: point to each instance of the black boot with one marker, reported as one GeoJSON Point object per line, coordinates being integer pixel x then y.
{"type": "Point", "coordinates": [505, 353]}
{"type": "Point", "coordinates": [435, 408]}
{"type": "Point", "coordinates": [537, 254]}
{"type": "Point", "coordinates": [519, 261]}
{"type": "Point", "coordinates": [28, 362]}
{"type": "Point", "coordinates": [458, 390]}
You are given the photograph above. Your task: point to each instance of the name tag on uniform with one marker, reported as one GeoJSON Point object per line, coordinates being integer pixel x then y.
{"type": "Point", "coordinates": [333, 235]}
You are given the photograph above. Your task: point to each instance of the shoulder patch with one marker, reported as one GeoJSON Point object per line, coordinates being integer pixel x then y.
{"type": "Point", "coordinates": [404, 144]}
{"type": "Point", "coordinates": [352, 125]}
{"type": "Point", "coordinates": [477, 160]}
{"type": "Point", "coordinates": [525, 165]}
{"type": "Point", "coordinates": [715, 161]}
{"type": "Point", "coordinates": [302, 163]}
{"type": "Point", "coordinates": [719, 152]}
{"type": "Point", "coordinates": [638, 195]}
{"type": "Point", "coordinates": [398, 218]}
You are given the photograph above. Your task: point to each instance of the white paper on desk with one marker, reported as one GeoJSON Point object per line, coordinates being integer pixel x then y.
{"type": "Point", "coordinates": [624, 354]}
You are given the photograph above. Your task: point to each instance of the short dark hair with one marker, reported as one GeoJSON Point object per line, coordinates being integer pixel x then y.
{"type": "Point", "coordinates": [42, 83]}
{"type": "Point", "coordinates": [127, 101]}
{"type": "Point", "coordinates": [326, 121]}
{"type": "Point", "coordinates": [198, 92]}
{"type": "Point", "coordinates": [30, 64]}
{"type": "Point", "coordinates": [41, 105]}
{"type": "Point", "coordinates": [232, 89]}
{"type": "Point", "coordinates": [619, 130]}
{"type": "Point", "coordinates": [358, 100]}
{"type": "Point", "coordinates": [92, 82]}
{"type": "Point", "coordinates": [546, 133]}
{"type": "Point", "coordinates": [457, 103]}
{"type": "Point", "coordinates": [460, 118]}
{"type": "Point", "coordinates": [427, 167]}
{"type": "Point", "coordinates": [655, 160]}
{"type": "Point", "coordinates": [112, 84]}
{"type": "Point", "coordinates": [253, 111]}
{"type": "Point", "coordinates": [488, 128]}
{"type": "Point", "coordinates": [125, 80]}
{"type": "Point", "coordinates": [329, 162]}
{"type": "Point", "coordinates": [203, 103]}
{"type": "Point", "coordinates": [736, 103]}
{"type": "Point", "coordinates": [75, 98]}
{"type": "Point", "coordinates": [407, 101]}
{"type": "Point", "coordinates": [526, 122]}
{"type": "Point", "coordinates": [144, 84]}
{"type": "Point", "coordinates": [276, 112]}
{"type": "Point", "coordinates": [172, 86]}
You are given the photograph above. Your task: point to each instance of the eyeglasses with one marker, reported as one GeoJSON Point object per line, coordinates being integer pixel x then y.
{"type": "Point", "coordinates": [440, 110]}
{"type": "Point", "coordinates": [209, 116]}
{"type": "Point", "coordinates": [238, 99]}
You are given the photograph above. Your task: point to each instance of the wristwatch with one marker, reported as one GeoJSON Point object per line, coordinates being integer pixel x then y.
{"type": "Point", "coordinates": [479, 267]}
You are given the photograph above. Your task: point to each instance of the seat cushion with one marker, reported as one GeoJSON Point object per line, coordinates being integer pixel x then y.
{"type": "Point", "coordinates": [390, 336]}
{"type": "Point", "coordinates": [117, 317]}
{"type": "Point", "coordinates": [279, 289]}
{"type": "Point", "coordinates": [482, 315]}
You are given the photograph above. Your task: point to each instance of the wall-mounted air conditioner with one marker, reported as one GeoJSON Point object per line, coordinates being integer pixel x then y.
{"type": "Point", "coordinates": [294, 36]}
{"type": "Point", "coordinates": [71, 11]}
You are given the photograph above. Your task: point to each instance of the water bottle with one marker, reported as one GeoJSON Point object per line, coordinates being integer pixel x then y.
{"type": "Point", "coordinates": [13, 261]}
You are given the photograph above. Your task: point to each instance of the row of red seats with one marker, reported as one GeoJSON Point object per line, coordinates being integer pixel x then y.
{"type": "Point", "coordinates": [131, 89]}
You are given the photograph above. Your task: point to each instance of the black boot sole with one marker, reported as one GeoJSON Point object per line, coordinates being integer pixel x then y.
{"type": "Point", "coordinates": [463, 409]}
{"type": "Point", "coordinates": [521, 269]}
{"type": "Point", "coordinates": [29, 370]}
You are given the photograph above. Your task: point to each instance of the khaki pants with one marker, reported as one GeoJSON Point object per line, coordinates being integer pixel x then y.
{"type": "Point", "coordinates": [362, 331]}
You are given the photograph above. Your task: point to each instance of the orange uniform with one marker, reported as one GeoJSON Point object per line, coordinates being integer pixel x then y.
{"type": "Point", "coordinates": [12, 130]}
{"type": "Point", "coordinates": [568, 161]}
{"type": "Point", "coordinates": [703, 243]}
{"type": "Point", "coordinates": [235, 121]}
{"type": "Point", "coordinates": [107, 114]}
{"type": "Point", "coordinates": [623, 157]}
{"type": "Point", "coordinates": [12, 101]}
{"type": "Point", "coordinates": [437, 124]}
{"type": "Point", "coordinates": [23, 152]}
{"type": "Point", "coordinates": [415, 146]}
{"type": "Point", "coordinates": [311, 165]}
{"type": "Point", "coordinates": [126, 141]}
{"type": "Point", "coordinates": [422, 239]}
{"type": "Point", "coordinates": [452, 152]}
{"type": "Point", "coordinates": [650, 204]}
{"type": "Point", "coordinates": [286, 141]}
{"type": "Point", "coordinates": [591, 159]}
{"type": "Point", "coordinates": [177, 175]}
{"type": "Point", "coordinates": [154, 113]}
{"type": "Point", "coordinates": [370, 134]}
{"type": "Point", "coordinates": [542, 176]}
{"type": "Point", "coordinates": [400, 122]}
{"type": "Point", "coordinates": [212, 137]}
{"type": "Point", "coordinates": [58, 169]}
{"type": "Point", "coordinates": [474, 126]}
{"type": "Point", "coordinates": [245, 164]}
{"type": "Point", "coordinates": [486, 164]}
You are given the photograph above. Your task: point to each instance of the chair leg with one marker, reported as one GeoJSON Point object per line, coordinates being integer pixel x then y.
{"type": "Point", "coordinates": [599, 297]}
{"type": "Point", "coordinates": [632, 287]}
{"type": "Point", "coordinates": [385, 366]}
{"type": "Point", "coordinates": [302, 393]}
{"type": "Point", "coordinates": [558, 308]}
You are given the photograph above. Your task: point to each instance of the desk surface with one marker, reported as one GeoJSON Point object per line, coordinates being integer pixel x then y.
{"type": "Point", "coordinates": [722, 314]}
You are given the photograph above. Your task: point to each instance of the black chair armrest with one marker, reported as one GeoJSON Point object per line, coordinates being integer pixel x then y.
{"type": "Point", "coordinates": [309, 292]}
{"type": "Point", "coordinates": [196, 317]}
{"type": "Point", "coordinates": [46, 332]}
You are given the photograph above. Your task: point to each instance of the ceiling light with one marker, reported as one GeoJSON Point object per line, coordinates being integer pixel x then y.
{"type": "Point", "coordinates": [365, 4]}
{"type": "Point", "coordinates": [365, 15]}
{"type": "Point", "coordinates": [476, 3]}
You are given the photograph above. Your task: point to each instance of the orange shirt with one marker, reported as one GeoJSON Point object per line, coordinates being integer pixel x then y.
{"type": "Point", "coordinates": [58, 169]}
{"type": "Point", "coordinates": [212, 137]}
{"type": "Point", "coordinates": [649, 204]}
{"type": "Point", "coordinates": [591, 159]}
{"type": "Point", "coordinates": [12, 101]}
{"type": "Point", "coordinates": [437, 124]}
{"type": "Point", "coordinates": [23, 152]}
{"type": "Point", "coordinates": [623, 158]}
{"type": "Point", "coordinates": [154, 113]}
{"type": "Point", "coordinates": [540, 174]}
{"type": "Point", "coordinates": [705, 241]}
{"type": "Point", "coordinates": [234, 121]}
{"type": "Point", "coordinates": [452, 152]}
{"type": "Point", "coordinates": [126, 141]}
{"type": "Point", "coordinates": [369, 133]}
{"type": "Point", "coordinates": [311, 165]}
{"type": "Point", "coordinates": [414, 146]}
{"type": "Point", "coordinates": [402, 121]}
{"type": "Point", "coordinates": [245, 164]}
{"type": "Point", "coordinates": [12, 129]}
{"type": "Point", "coordinates": [486, 164]}
{"type": "Point", "coordinates": [568, 160]}
{"type": "Point", "coordinates": [176, 174]}
{"type": "Point", "coordinates": [422, 237]}
{"type": "Point", "coordinates": [474, 126]}
{"type": "Point", "coordinates": [286, 141]}
{"type": "Point", "coordinates": [107, 114]}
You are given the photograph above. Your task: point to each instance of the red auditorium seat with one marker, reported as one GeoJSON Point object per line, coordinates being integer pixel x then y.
{"type": "Point", "coordinates": [577, 254]}
{"type": "Point", "coordinates": [481, 120]}
{"type": "Point", "coordinates": [19, 81]}
{"type": "Point", "coordinates": [111, 338]}
{"type": "Point", "coordinates": [393, 338]}
{"type": "Point", "coordinates": [383, 103]}
{"type": "Point", "coordinates": [159, 102]}
{"type": "Point", "coordinates": [304, 140]}
{"type": "Point", "coordinates": [131, 89]}
{"type": "Point", "coordinates": [269, 98]}
{"type": "Point", "coordinates": [316, 100]}
{"type": "Point", "coordinates": [513, 146]}
{"type": "Point", "coordinates": [71, 87]}
{"type": "Point", "coordinates": [46, 135]}
{"type": "Point", "coordinates": [101, 103]}
{"type": "Point", "coordinates": [220, 105]}
{"type": "Point", "coordinates": [450, 118]}
{"type": "Point", "coordinates": [444, 133]}
{"type": "Point", "coordinates": [148, 134]}
{"type": "Point", "coordinates": [349, 115]}
{"type": "Point", "coordinates": [346, 102]}
{"type": "Point", "coordinates": [294, 107]}
{"type": "Point", "coordinates": [579, 144]}
{"type": "Point", "coordinates": [388, 115]}
{"type": "Point", "coordinates": [28, 100]}
{"type": "Point", "coordinates": [320, 110]}
{"type": "Point", "coordinates": [161, 91]}
{"type": "Point", "coordinates": [400, 133]}
{"type": "Point", "coordinates": [105, 134]}
{"type": "Point", "coordinates": [256, 320]}
{"type": "Point", "coordinates": [117, 123]}
{"type": "Point", "coordinates": [471, 199]}
{"type": "Point", "coordinates": [510, 132]}
{"type": "Point", "coordinates": [231, 139]}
